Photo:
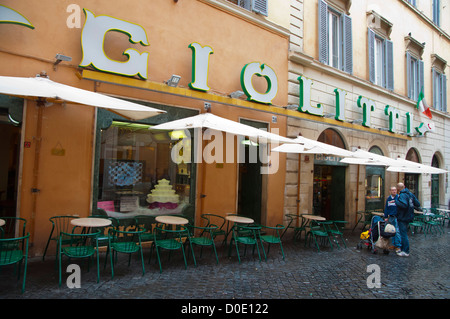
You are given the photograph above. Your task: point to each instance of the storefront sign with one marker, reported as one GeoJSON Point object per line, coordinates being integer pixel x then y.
{"type": "Point", "coordinates": [92, 42]}
{"type": "Point", "coordinates": [321, 159]}
{"type": "Point", "coordinates": [367, 105]}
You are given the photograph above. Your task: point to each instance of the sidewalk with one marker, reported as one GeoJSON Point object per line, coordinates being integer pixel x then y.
{"type": "Point", "coordinates": [304, 274]}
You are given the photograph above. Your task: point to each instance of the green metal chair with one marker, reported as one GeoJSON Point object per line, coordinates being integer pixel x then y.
{"type": "Point", "coordinates": [14, 251]}
{"type": "Point", "coordinates": [104, 231]}
{"type": "Point", "coordinates": [336, 229]}
{"type": "Point", "coordinates": [219, 222]}
{"type": "Point", "coordinates": [272, 236]}
{"type": "Point", "coordinates": [365, 218]}
{"type": "Point", "coordinates": [246, 235]}
{"type": "Point", "coordinates": [59, 224]}
{"type": "Point", "coordinates": [205, 238]}
{"type": "Point", "coordinates": [417, 223]}
{"type": "Point", "coordinates": [292, 219]}
{"type": "Point", "coordinates": [169, 239]}
{"type": "Point", "coordinates": [125, 242]}
{"type": "Point", "coordinates": [78, 246]}
{"type": "Point", "coordinates": [147, 223]}
{"type": "Point", "coordinates": [13, 227]}
{"type": "Point", "coordinates": [319, 232]}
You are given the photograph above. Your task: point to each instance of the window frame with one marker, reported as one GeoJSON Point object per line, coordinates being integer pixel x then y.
{"type": "Point", "coordinates": [344, 41]}
{"type": "Point", "coordinates": [439, 81]}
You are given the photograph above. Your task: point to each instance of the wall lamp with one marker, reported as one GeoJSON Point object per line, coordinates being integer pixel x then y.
{"type": "Point", "coordinates": [174, 80]}
{"type": "Point", "coordinates": [236, 94]}
{"type": "Point", "coordinates": [60, 57]}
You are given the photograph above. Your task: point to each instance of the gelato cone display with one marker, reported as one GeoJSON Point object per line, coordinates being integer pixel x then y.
{"type": "Point", "coordinates": [163, 196]}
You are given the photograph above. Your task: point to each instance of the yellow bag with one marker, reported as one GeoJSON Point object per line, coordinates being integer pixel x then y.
{"type": "Point", "coordinates": [364, 235]}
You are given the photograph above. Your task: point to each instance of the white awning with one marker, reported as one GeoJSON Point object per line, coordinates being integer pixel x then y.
{"type": "Point", "coordinates": [211, 121]}
{"type": "Point", "coordinates": [41, 87]}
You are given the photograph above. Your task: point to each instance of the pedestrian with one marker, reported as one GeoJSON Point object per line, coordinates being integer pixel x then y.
{"type": "Point", "coordinates": [390, 216]}
{"type": "Point", "coordinates": [405, 202]}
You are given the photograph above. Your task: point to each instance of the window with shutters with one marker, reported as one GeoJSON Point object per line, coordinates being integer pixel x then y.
{"type": "Point", "coordinates": [439, 80]}
{"type": "Point", "coordinates": [335, 37]}
{"type": "Point", "coordinates": [258, 6]}
{"type": "Point", "coordinates": [414, 67]}
{"type": "Point", "coordinates": [380, 50]}
{"type": "Point", "coordinates": [437, 12]}
{"type": "Point", "coordinates": [439, 91]}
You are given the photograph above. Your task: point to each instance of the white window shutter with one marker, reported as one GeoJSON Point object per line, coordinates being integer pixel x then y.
{"type": "Point", "coordinates": [409, 85]}
{"type": "Point", "coordinates": [444, 93]}
{"type": "Point", "coordinates": [348, 44]}
{"type": "Point", "coordinates": [323, 31]}
{"type": "Point", "coordinates": [371, 49]}
{"type": "Point", "coordinates": [389, 65]}
{"type": "Point", "coordinates": [260, 6]}
{"type": "Point", "coordinates": [421, 79]}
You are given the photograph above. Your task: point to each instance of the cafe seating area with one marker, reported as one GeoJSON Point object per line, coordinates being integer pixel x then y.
{"type": "Point", "coordinates": [167, 238]}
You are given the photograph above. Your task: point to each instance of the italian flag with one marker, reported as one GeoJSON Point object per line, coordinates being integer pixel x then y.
{"type": "Point", "coordinates": [422, 105]}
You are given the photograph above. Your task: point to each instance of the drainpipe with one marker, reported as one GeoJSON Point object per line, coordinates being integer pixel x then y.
{"type": "Point", "coordinates": [40, 103]}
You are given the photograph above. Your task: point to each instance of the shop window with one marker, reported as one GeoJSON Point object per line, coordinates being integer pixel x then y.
{"type": "Point", "coordinates": [258, 6]}
{"type": "Point", "coordinates": [412, 180]}
{"type": "Point", "coordinates": [374, 183]}
{"type": "Point", "coordinates": [143, 171]}
{"type": "Point", "coordinates": [335, 36]}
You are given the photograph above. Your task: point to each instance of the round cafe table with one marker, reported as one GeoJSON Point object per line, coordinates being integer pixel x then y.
{"type": "Point", "coordinates": [2, 222]}
{"type": "Point", "coordinates": [236, 219]}
{"type": "Point", "coordinates": [171, 220]}
{"type": "Point", "coordinates": [314, 217]}
{"type": "Point", "coordinates": [90, 222]}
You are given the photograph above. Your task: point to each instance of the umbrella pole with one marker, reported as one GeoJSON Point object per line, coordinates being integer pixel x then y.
{"type": "Point", "coordinates": [37, 150]}
{"type": "Point", "coordinates": [357, 195]}
{"type": "Point", "coordinates": [298, 183]}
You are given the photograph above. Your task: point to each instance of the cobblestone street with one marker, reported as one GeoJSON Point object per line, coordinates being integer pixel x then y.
{"type": "Point", "coordinates": [304, 274]}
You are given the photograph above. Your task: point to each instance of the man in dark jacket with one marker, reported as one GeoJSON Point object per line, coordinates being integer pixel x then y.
{"type": "Point", "coordinates": [390, 216]}
{"type": "Point", "coordinates": [405, 202]}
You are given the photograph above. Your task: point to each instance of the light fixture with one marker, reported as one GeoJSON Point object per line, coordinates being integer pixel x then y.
{"type": "Point", "coordinates": [236, 94]}
{"type": "Point", "coordinates": [174, 80]}
{"type": "Point", "coordinates": [60, 57]}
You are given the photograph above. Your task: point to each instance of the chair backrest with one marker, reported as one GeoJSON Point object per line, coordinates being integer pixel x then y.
{"type": "Point", "coordinates": [214, 219]}
{"type": "Point", "coordinates": [14, 227]}
{"type": "Point", "coordinates": [62, 223]}
{"type": "Point", "coordinates": [145, 222]}
{"type": "Point", "coordinates": [275, 230]}
{"type": "Point", "coordinates": [126, 238]}
{"type": "Point", "coordinates": [82, 242]}
{"type": "Point", "coordinates": [160, 232]}
{"type": "Point", "coordinates": [244, 230]}
{"type": "Point", "coordinates": [202, 231]}
{"type": "Point", "coordinates": [9, 248]}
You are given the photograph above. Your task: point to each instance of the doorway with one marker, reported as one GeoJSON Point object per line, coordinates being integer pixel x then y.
{"type": "Point", "coordinates": [329, 192]}
{"type": "Point", "coordinates": [435, 184]}
{"type": "Point", "coordinates": [251, 190]}
{"type": "Point", "coordinates": [9, 164]}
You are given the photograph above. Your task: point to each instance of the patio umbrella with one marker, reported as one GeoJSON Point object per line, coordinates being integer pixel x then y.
{"type": "Point", "coordinates": [304, 145]}
{"type": "Point", "coordinates": [42, 87]}
{"type": "Point", "coordinates": [45, 90]}
{"type": "Point", "coordinates": [211, 121]}
{"type": "Point", "coordinates": [405, 166]}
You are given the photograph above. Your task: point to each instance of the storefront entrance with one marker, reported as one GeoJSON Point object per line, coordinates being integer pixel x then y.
{"type": "Point", "coordinates": [329, 191]}
{"type": "Point", "coordinates": [435, 184]}
{"type": "Point", "coordinates": [251, 194]}
{"type": "Point", "coordinates": [9, 163]}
